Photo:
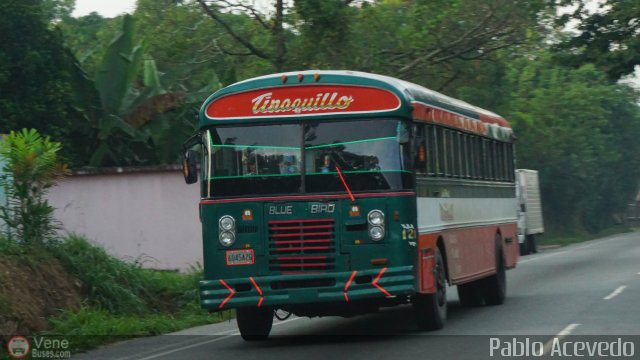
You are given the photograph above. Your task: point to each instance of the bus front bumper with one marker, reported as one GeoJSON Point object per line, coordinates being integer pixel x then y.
{"type": "Point", "coordinates": [280, 290]}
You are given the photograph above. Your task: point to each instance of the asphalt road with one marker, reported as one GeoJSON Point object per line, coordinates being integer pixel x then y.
{"type": "Point", "coordinates": [592, 288]}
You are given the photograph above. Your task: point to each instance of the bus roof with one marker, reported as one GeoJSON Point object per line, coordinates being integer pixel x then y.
{"type": "Point", "coordinates": [342, 94]}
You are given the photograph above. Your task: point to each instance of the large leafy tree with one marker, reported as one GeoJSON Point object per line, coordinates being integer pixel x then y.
{"type": "Point", "coordinates": [608, 36]}
{"type": "Point", "coordinates": [578, 130]}
{"type": "Point", "coordinates": [35, 90]}
{"type": "Point", "coordinates": [252, 32]}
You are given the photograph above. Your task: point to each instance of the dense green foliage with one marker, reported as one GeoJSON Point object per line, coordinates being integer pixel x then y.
{"type": "Point", "coordinates": [31, 168]}
{"type": "Point", "coordinates": [609, 39]}
{"type": "Point", "coordinates": [91, 327]}
{"type": "Point", "coordinates": [574, 123]}
{"type": "Point", "coordinates": [124, 299]}
{"type": "Point", "coordinates": [122, 287]}
{"type": "Point", "coordinates": [120, 299]}
{"type": "Point", "coordinates": [35, 89]}
{"type": "Point", "coordinates": [579, 131]}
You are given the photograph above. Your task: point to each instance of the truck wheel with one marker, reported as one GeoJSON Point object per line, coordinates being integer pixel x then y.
{"type": "Point", "coordinates": [531, 244]}
{"type": "Point", "coordinates": [496, 285]}
{"type": "Point", "coordinates": [254, 323]}
{"type": "Point", "coordinates": [431, 309]}
{"type": "Point", "coordinates": [470, 294]}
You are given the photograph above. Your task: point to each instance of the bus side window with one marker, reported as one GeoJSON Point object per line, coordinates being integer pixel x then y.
{"type": "Point", "coordinates": [503, 162]}
{"type": "Point", "coordinates": [466, 155]}
{"type": "Point", "coordinates": [512, 175]}
{"type": "Point", "coordinates": [455, 153]}
{"type": "Point", "coordinates": [444, 150]}
{"type": "Point", "coordinates": [432, 150]}
{"type": "Point", "coordinates": [484, 160]}
{"type": "Point", "coordinates": [496, 157]}
{"type": "Point", "coordinates": [459, 155]}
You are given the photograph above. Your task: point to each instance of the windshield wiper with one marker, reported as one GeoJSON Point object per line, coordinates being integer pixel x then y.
{"type": "Point", "coordinates": [353, 199]}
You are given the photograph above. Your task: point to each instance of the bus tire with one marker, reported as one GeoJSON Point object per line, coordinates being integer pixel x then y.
{"type": "Point", "coordinates": [254, 323]}
{"type": "Point", "coordinates": [431, 309]}
{"type": "Point", "coordinates": [496, 285]}
{"type": "Point", "coordinates": [470, 294]}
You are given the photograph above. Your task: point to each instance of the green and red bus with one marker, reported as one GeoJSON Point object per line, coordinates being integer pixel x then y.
{"type": "Point", "coordinates": [339, 192]}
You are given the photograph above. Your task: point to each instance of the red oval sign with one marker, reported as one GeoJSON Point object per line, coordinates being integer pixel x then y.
{"type": "Point", "coordinates": [302, 101]}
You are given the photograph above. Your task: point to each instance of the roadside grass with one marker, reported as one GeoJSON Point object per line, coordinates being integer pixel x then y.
{"type": "Point", "coordinates": [120, 299]}
{"type": "Point", "coordinates": [124, 300]}
{"type": "Point", "coordinates": [92, 327]}
{"type": "Point", "coordinates": [564, 239]}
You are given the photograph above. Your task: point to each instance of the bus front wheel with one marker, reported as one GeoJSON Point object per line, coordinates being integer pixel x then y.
{"type": "Point", "coordinates": [431, 309]}
{"type": "Point", "coordinates": [254, 323]}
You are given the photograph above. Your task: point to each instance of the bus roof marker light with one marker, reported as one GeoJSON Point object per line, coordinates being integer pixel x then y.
{"type": "Point", "coordinates": [284, 79]}
{"type": "Point", "coordinates": [316, 77]}
{"type": "Point", "coordinates": [300, 77]}
{"type": "Point", "coordinates": [354, 211]}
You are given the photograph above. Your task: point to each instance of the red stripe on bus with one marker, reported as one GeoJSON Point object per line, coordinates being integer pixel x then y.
{"type": "Point", "coordinates": [276, 222]}
{"type": "Point", "coordinates": [283, 258]}
{"type": "Point", "coordinates": [302, 241]}
{"type": "Point", "coordinates": [256, 285]}
{"type": "Point", "coordinates": [346, 287]}
{"type": "Point", "coordinates": [300, 234]}
{"type": "Point", "coordinates": [305, 197]}
{"type": "Point", "coordinates": [375, 282]}
{"type": "Point", "coordinates": [231, 293]}
{"type": "Point", "coordinates": [302, 265]}
{"type": "Point", "coordinates": [304, 248]}
{"type": "Point", "coordinates": [303, 227]}
{"type": "Point", "coordinates": [259, 290]}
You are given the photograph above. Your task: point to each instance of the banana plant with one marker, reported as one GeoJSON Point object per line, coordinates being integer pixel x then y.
{"type": "Point", "coordinates": [120, 105]}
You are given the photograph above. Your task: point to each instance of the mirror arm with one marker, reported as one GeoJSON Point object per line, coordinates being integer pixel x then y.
{"type": "Point", "coordinates": [194, 140]}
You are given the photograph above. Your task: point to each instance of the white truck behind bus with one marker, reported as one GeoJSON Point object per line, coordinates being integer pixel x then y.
{"type": "Point", "coordinates": [530, 223]}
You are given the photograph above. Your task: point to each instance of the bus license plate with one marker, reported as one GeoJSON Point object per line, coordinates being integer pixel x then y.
{"type": "Point", "coordinates": [240, 257]}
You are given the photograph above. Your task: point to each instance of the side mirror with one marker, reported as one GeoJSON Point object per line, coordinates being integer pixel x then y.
{"type": "Point", "coordinates": [190, 166]}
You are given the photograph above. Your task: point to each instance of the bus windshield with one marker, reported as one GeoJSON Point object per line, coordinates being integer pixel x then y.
{"type": "Point", "coordinates": [270, 159]}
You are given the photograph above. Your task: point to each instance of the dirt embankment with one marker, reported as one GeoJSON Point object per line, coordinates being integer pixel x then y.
{"type": "Point", "coordinates": [31, 291]}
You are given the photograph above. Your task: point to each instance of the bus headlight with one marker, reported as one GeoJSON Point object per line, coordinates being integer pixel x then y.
{"type": "Point", "coordinates": [375, 217]}
{"type": "Point", "coordinates": [376, 233]}
{"type": "Point", "coordinates": [227, 238]}
{"type": "Point", "coordinates": [226, 223]}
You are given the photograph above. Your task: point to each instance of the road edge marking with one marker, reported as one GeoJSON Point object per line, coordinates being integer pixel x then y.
{"type": "Point", "coordinates": [615, 292]}
{"type": "Point", "coordinates": [561, 335]}
{"type": "Point", "coordinates": [155, 356]}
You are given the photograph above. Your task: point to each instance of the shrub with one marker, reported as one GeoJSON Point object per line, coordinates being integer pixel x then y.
{"type": "Point", "coordinates": [109, 283]}
{"type": "Point", "coordinates": [122, 287]}
{"type": "Point", "coordinates": [31, 168]}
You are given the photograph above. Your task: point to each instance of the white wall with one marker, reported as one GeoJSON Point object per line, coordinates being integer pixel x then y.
{"type": "Point", "coordinates": [148, 214]}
